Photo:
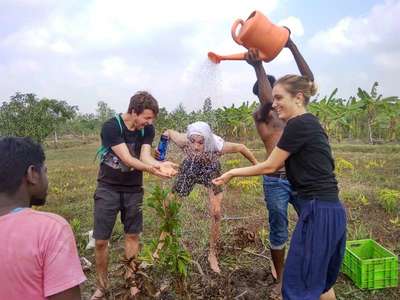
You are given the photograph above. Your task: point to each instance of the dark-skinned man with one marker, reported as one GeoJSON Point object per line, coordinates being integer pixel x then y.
{"type": "Point", "coordinates": [38, 254]}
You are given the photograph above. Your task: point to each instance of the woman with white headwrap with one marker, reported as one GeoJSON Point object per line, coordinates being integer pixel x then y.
{"type": "Point", "coordinates": [200, 166]}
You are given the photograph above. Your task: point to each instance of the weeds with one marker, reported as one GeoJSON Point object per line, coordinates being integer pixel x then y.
{"type": "Point", "coordinates": [79, 237]}
{"type": "Point", "coordinates": [389, 199]}
{"type": "Point", "coordinates": [360, 232]}
{"type": "Point", "coordinates": [342, 166]}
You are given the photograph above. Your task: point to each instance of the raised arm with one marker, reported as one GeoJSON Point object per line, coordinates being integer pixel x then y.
{"type": "Point", "coordinates": [239, 148]}
{"type": "Point", "coordinates": [300, 61]}
{"type": "Point", "coordinates": [263, 87]}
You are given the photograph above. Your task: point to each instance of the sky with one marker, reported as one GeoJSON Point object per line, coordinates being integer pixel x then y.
{"type": "Point", "coordinates": [98, 50]}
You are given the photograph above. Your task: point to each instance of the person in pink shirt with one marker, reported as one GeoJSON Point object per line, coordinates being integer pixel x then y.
{"type": "Point", "coordinates": [38, 254]}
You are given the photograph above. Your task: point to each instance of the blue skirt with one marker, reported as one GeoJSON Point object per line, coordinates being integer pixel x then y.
{"type": "Point", "coordinates": [316, 250]}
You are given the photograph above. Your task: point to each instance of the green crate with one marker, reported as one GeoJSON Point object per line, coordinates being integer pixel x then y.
{"type": "Point", "coordinates": [370, 265]}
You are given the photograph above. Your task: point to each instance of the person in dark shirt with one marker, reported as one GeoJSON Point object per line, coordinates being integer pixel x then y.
{"type": "Point", "coordinates": [127, 140]}
{"type": "Point", "coordinates": [318, 241]}
{"type": "Point", "coordinates": [277, 189]}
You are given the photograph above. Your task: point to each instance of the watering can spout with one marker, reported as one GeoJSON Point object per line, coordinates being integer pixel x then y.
{"type": "Point", "coordinates": [215, 58]}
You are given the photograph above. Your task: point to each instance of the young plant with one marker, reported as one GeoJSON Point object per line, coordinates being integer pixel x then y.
{"type": "Point", "coordinates": [171, 253]}
{"type": "Point", "coordinates": [79, 237]}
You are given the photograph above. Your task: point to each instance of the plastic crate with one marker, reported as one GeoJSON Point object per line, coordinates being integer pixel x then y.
{"type": "Point", "coordinates": [370, 265]}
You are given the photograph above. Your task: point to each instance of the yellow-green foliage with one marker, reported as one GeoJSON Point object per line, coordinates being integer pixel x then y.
{"type": "Point", "coordinates": [232, 163]}
{"type": "Point", "coordinates": [362, 199]}
{"type": "Point", "coordinates": [342, 165]}
{"type": "Point", "coordinates": [375, 163]}
{"type": "Point", "coordinates": [389, 199]}
{"type": "Point", "coordinates": [246, 184]}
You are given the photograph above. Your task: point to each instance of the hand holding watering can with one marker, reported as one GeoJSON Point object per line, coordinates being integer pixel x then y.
{"type": "Point", "coordinates": [259, 33]}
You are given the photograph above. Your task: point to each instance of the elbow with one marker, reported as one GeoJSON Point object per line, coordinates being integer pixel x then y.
{"type": "Point", "coordinates": [272, 168]}
{"type": "Point", "coordinates": [242, 149]}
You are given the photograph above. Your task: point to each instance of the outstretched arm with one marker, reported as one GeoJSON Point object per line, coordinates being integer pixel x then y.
{"type": "Point", "coordinates": [178, 138]}
{"type": "Point", "coordinates": [264, 90]}
{"type": "Point", "coordinates": [239, 148]}
{"type": "Point", "coordinates": [274, 162]}
{"type": "Point", "coordinates": [300, 61]}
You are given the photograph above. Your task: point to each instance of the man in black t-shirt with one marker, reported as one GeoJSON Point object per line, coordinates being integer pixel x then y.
{"type": "Point", "coordinates": [126, 153]}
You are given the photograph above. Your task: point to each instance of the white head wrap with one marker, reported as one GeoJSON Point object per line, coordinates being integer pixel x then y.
{"type": "Point", "coordinates": [212, 142]}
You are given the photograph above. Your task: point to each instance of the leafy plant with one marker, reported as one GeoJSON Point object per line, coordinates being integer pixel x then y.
{"type": "Point", "coordinates": [389, 199]}
{"type": "Point", "coordinates": [172, 256]}
{"type": "Point", "coordinates": [79, 237]}
{"type": "Point", "coordinates": [342, 165]}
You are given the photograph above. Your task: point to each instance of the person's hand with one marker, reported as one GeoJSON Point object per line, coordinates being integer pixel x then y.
{"type": "Point", "coordinates": [156, 171]}
{"type": "Point", "coordinates": [223, 179]}
{"type": "Point", "coordinates": [253, 57]}
{"type": "Point", "coordinates": [289, 42]}
{"type": "Point", "coordinates": [156, 152]}
{"type": "Point", "coordinates": [166, 133]}
{"type": "Point", "coordinates": [168, 167]}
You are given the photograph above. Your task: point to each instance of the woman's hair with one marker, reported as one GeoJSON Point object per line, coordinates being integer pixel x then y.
{"type": "Point", "coordinates": [298, 84]}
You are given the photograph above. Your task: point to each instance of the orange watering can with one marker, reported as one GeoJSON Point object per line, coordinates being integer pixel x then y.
{"type": "Point", "coordinates": [256, 32]}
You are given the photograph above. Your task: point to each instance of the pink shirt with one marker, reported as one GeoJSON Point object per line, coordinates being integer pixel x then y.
{"type": "Point", "coordinates": [38, 256]}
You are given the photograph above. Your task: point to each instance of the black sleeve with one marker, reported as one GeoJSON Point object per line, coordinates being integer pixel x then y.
{"type": "Point", "coordinates": [149, 133]}
{"type": "Point", "coordinates": [111, 134]}
{"type": "Point", "coordinates": [295, 135]}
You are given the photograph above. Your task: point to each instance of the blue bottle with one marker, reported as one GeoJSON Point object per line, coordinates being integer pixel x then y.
{"type": "Point", "coordinates": [163, 147]}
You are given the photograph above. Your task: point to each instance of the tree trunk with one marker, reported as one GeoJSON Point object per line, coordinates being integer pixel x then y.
{"type": "Point", "coordinates": [371, 140]}
{"type": "Point", "coordinates": [55, 138]}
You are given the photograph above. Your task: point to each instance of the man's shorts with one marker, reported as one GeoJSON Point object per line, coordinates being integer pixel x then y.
{"type": "Point", "coordinates": [107, 204]}
{"type": "Point", "coordinates": [316, 248]}
{"type": "Point", "coordinates": [277, 195]}
{"type": "Point", "coordinates": [195, 171]}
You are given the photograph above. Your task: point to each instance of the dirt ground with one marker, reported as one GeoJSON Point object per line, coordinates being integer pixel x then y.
{"type": "Point", "coordinates": [243, 250]}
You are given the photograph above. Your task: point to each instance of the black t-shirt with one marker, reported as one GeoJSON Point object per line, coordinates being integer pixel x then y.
{"type": "Point", "coordinates": [113, 173]}
{"type": "Point", "coordinates": [310, 166]}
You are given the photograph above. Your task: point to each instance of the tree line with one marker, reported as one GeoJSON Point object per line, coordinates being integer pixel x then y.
{"type": "Point", "coordinates": [367, 117]}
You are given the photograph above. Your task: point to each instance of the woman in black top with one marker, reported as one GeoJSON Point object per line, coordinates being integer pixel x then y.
{"type": "Point", "coordinates": [318, 242]}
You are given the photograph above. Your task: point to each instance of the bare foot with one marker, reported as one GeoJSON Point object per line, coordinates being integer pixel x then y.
{"type": "Point", "coordinates": [273, 271]}
{"type": "Point", "coordinates": [212, 259]}
{"type": "Point", "coordinates": [98, 295]}
{"type": "Point", "coordinates": [134, 291]}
